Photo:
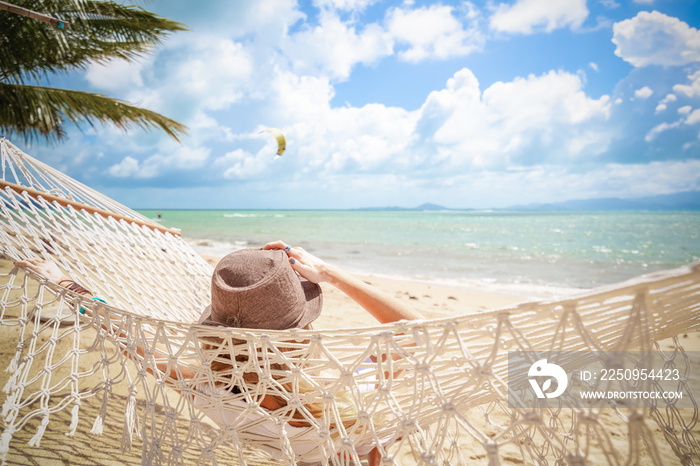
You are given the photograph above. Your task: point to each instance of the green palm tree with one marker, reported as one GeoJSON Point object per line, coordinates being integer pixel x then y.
{"type": "Point", "coordinates": [32, 51]}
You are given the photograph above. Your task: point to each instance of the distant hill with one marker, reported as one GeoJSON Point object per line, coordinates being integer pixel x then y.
{"type": "Point", "coordinates": [420, 208]}
{"type": "Point", "coordinates": [687, 200]}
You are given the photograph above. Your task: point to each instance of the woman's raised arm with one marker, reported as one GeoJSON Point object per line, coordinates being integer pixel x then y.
{"type": "Point", "coordinates": [379, 304]}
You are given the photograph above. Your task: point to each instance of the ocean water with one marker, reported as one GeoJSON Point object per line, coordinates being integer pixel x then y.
{"type": "Point", "coordinates": [523, 253]}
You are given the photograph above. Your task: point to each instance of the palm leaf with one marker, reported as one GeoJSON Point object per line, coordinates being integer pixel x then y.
{"type": "Point", "coordinates": [33, 111]}
{"type": "Point", "coordinates": [97, 32]}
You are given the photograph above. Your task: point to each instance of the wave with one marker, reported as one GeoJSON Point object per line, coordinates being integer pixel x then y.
{"type": "Point", "coordinates": [240, 215]}
{"type": "Point", "coordinates": [208, 247]}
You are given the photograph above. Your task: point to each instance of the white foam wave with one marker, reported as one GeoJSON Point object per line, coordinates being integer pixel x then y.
{"type": "Point", "coordinates": [207, 247]}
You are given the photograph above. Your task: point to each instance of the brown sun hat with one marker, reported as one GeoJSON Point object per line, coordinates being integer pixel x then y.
{"type": "Point", "coordinates": [259, 289]}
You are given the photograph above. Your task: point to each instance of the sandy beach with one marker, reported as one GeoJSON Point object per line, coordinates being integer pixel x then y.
{"type": "Point", "coordinates": [432, 300]}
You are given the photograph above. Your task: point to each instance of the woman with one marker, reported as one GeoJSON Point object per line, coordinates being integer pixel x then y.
{"type": "Point", "coordinates": [273, 288]}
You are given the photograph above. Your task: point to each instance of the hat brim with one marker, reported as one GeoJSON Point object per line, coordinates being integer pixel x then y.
{"type": "Point", "coordinates": [205, 318]}
{"type": "Point", "coordinates": [311, 307]}
{"type": "Point", "coordinates": [314, 302]}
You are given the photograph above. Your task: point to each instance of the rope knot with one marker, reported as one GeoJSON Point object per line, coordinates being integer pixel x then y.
{"type": "Point", "coordinates": [491, 447]}
{"type": "Point", "coordinates": [408, 424]}
{"type": "Point", "coordinates": [532, 417]}
{"type": "Point", "coordinates": [422, 367]}
{"type": "Point", "coordinates": [449, 407]}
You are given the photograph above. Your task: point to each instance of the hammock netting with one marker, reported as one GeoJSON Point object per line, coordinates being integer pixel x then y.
{"type": "Point", "coordinates": [424, 392]}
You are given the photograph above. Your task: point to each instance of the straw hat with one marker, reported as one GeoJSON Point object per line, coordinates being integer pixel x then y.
{"type": "Point", "coordinates": [259, 289]}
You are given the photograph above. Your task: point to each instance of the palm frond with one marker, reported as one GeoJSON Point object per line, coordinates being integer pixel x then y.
{"type": "Point", "coordinates": [33, 111]}
{"type": "Point", "coordinates": [97, 31]}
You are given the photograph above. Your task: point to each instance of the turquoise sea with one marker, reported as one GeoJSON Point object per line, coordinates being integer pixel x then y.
{"type": "Point", "coordinates": [524, 253]}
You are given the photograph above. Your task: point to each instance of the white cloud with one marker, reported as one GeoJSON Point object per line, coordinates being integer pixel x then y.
{"type": "Point", "coordinates": [527, 16]}
{"type": "Point", "coordinates": [663, 103]}
{"type": "Point", "coordinates": [433, 33]}
{"type": "Point", "coordinates": [323, 141]}
{"type": "Point", "coordinates": [128, 167]}
{"type": "Point", "coordinates": [342, 141]}
{"type": "Point", "coordinates": [286, 79]}
{"type": "Point", "coordinates": [267, 21]}
{"type": "Point", "coordinates": [346, 5]}
{"type": "Point", "coordinates": [370, 138]}
{"type": "Point", "coordinates": [693, 118]}
{"type": "Point", "coordinates": [333, 47]}
{"type": "Point", "coordinates": [523, 121]}
{"type": "Point", "coordinates": [115, 75]}
{"type": "Point", "coordinates": [274, 66]}
{"type": "Point", "coordinates": [191, 76]}
{"type": "Point", "coordinates": [653, 38]}
{"type": "Point", "coordinates": [213, 72]}
{"type": "Point", "coordinates": [546, 182]}
{"type": "Point", "coordinates": [240, 164]}
{"type": "Point", "coordinates": [660, 128]}
{"type": "Point", "coordinates": [643, 93]}
{"type": "Point", "coordinates": [179, 158]}
{"type": "Point", "coordinates": [692, 90]}
{"type": "Point", "coordinates": [638, 180]}
{"type": "Point", "coordinates": [301, 98]}
{"type": "Point", "coordinates": [209, 73]}
{"type": "Point", "coordinates": [644, 2]}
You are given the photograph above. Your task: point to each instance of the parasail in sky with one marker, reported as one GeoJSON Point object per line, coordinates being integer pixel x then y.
{"type": "Point", "coordinates": [281, 141]}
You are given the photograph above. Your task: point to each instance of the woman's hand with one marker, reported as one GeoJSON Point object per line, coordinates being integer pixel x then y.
{"type": "Point", "coordinates": [306, 264]}
{"type": "Point", "coordinates": [45, 268]}
{"type": "Point", "coordinates": [382, 306]}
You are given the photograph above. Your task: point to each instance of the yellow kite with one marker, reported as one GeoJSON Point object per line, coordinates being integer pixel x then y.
{"type": "Point", "coordinates": [281, 141]}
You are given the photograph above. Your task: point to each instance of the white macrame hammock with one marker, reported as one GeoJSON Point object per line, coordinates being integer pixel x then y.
{"type": "Point", "coordinates": [425, 392]}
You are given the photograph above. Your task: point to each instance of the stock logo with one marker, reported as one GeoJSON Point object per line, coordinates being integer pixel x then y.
{"type": "Point", "coordinates": [544, 369]}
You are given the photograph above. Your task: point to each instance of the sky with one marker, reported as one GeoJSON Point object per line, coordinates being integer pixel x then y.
{"type": "Point", "coordinates": [398, 103]}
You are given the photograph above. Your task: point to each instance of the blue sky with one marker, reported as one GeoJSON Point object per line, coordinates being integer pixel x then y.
{"type": "Point", "coordinates": [464, 104]}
